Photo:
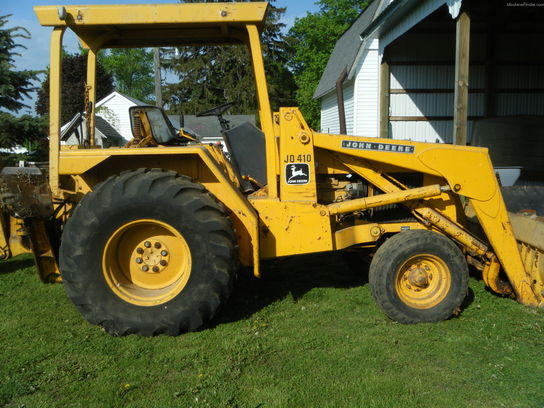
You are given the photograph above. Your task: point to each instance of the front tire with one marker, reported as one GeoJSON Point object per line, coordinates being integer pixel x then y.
{"type": "Point", "coordinates": [148, 252]}
{"type": "Point", "coordinates": [419, 276]}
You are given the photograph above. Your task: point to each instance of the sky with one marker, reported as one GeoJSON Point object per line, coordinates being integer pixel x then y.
{"type": "Point", "coordinates": [36, 54]}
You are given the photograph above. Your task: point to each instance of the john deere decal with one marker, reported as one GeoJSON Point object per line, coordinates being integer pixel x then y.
{"type": "Point", "coordinates": [381, 147]}
{"type": "Point", "coordinates": [297, 173]}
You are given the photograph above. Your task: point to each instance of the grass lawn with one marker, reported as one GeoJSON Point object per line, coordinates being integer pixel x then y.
{"type": "Point", "coordinates": [306, 335]}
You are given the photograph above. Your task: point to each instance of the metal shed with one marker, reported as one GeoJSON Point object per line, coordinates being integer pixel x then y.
{"type": "Point", "coordinates": [443, 70]}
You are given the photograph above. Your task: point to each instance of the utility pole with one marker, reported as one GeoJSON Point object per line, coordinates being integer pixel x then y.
{"type": "Point", "coordinates": [157, 64]}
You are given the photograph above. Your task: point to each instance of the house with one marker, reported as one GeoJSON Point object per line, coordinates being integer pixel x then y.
{"type": "Point", "coordinates": [114, 109]}
{"type": "Point", "coordinates": [452, 71]}
{"type": "Point", "coordinates": [75, 131]}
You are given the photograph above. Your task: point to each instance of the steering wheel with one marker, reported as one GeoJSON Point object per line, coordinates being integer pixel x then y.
{"type": "Point", "coordinates": [217, 111]}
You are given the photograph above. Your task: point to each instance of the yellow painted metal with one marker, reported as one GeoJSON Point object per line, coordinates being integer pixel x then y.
{"type": "Point", "coordinates": [289, 228]}
{"type": "Point", "coordinates": [357, 234]}
{"type": "Point", "coordinates": [530, 235]}
{"type": "Point", "coordinates": [431, 216]}
{"type": "Point", "coordinates": [146, 262]}
{"type": "Point", "coordinates": [495, 222]}
{"type": "Point", "coordinates": [216, 151]}
{"type": "Point", "coordinates": [473, 245]}
{"type": "Point", "coordinates": [490, 276]}
{"type": "Point", "coordinates": [396, 197]}
{"type": "Point", "coordinates": [5, 251]}
{"type": "Point", "coordinates": [18, 238]}
{"type": "Point", "coordinates": [157, 25]}
{"type": "Point", "coordinates": [423, 281]}
{"type": "Point", "coordinates": [55, 70]}
{"type": "Point", "coordinates": [296, 149]}
{"type": "Point", "coordinates": [528, 229]}
{"type": "Point", "coordinates": [44, 256]}
{"type": "Point", "coordinates": [456, 164]}
{"type": "Point", "coordinates": [468, 171]}
{"type": "Point", "coordinates": [91, 92]}
{"type": "Point", "coordinates": [301, 211]}
{"type": "Point", "coordinates": [154, 14]}
{"type": "Point", "coordinates": [265, 112]}
{"type": "Point", "coordinates": [200, 162]}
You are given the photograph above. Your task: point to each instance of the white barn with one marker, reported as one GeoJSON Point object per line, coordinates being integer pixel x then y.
{"type": "Point", "coordinates": [438, 71]}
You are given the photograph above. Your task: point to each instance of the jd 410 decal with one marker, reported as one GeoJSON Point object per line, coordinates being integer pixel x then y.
{"type": "Point", "coordinates": [297, 173]}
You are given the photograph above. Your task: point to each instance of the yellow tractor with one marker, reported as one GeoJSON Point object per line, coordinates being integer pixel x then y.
{"type": "Point", "coordinates": [147, 238]}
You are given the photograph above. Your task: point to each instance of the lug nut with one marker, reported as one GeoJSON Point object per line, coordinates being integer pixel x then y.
{"type": "Point", "coordinates": [145, 268]}
{"type": "Point", "coordinates": [164, 253]}
{"type": "Point", "coordinates": [140, 250]}
{"type": "Point", "coordinates": [163, 262]}
{"type": "Point", "coordinates": [139, 260]}
{"type": "Point", "coordinates": [155, 269]}
{"type": "Point", "coordinates": [147, 244]}
{"type": "Point", "coordinates": [157, 245]}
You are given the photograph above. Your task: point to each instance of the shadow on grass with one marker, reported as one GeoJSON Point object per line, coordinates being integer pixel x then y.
{"type": "Point", "coordinates": [15, 264]}
{"type": "Point", "coordinates": [296, 276]}
{"type": "Point", "coordinates": [293, 276]}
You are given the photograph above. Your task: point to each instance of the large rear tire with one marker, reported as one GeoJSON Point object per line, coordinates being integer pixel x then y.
{"type": "Point", "coordinates": [419, 276]}
{"type": "Point", "coordinates": [148, 252]}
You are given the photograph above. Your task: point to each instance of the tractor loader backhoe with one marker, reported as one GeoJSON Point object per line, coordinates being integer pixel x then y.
{"type": "Point", "coordinates": [147, 238]}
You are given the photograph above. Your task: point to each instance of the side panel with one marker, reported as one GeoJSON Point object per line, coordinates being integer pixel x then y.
{"type": "Point", "coordinates": [289, 228]}
{"type": "Point", "coordinates": [297, 159]}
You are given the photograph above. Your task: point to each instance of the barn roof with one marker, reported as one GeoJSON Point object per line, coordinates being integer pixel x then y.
{"type": "Point", "coordinates": [345, 51]}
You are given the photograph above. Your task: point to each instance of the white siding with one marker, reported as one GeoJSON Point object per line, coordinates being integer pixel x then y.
{"type": "Point", "coordinates": [115, 112]}
{"type": "Point", "coordinates": [348, 106]}
{"type": "Point", "coordinates": [423, 79]}
{"type": "Point", "coordinates": [330, 122]}
{"type": "Point", "coordinates": [118, 106]}
{"type": "Point", "coordinates": [432, 104]}
{"type": "Point", "coordinates": [367, 87]}
{"type": "Point", "coordinates": [433, 131]}
{"type": "Point", "coordinates": [329, 114]}
{"type": "Point", "coordinates": [432, 76]}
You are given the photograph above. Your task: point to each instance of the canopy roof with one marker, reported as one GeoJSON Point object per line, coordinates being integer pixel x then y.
{"type": "Point", "coordinates": [153, 25]}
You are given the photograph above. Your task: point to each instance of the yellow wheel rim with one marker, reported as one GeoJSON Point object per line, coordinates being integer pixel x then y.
{"type": "Point", "coordinates": [146, 262]}
{"type": "Point", "coordinates": [423, 281]}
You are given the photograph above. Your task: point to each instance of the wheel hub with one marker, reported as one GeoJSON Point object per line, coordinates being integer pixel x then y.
{"type": "Point", "coordinates": [151, 256]}
{"type": "Point", "coordinates": [139, 266]}
{"type": "Point", "coordinates": [423, 281]}
{"type": "Point", "coordinates": [417, 276]}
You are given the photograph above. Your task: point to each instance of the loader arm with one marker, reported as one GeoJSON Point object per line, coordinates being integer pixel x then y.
{"type": "Point", "coordinates": [468, 172]}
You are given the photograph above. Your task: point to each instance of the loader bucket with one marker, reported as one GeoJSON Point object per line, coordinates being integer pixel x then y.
{"type": "Point", "coordinates": [529, 232]}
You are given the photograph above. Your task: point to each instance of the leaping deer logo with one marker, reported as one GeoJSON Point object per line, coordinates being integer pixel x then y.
{"type": "Point", "coordinates": [296, 172]}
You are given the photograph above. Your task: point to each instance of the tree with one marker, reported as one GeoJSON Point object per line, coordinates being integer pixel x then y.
{"type": "Point", "coordinates": [74, 75]}
{"type": "Point", "coordinates": [313, 38]}
{"type": "Point", "coordinates": [26, 130]}
{"type": "Point", "coordinates": [211, 75]}
{"type": "Point", "coordinates": [132, 71]}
